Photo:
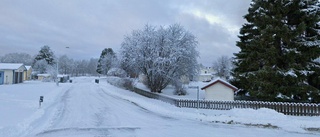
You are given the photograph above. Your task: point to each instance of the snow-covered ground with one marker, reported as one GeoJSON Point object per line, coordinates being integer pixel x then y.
{"type": "Point", "coordinates": [191, 92]}
{"type": "Point", "coordinates": [86, 109]}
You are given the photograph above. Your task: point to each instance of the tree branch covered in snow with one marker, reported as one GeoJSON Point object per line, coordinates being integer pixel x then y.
{"type": "Point", "coordinates": [162, 54]}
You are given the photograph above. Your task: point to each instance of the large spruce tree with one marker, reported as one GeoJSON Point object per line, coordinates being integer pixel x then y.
{"type": "Point", "coordinates": [278, 47]}
{"type": "Point", "coordinates": [46, 54]}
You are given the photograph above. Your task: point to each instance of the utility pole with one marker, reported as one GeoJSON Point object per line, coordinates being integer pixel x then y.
{"type": "Point", "coordinates": [57, 79]}
{"type": "Point", "coordinates": [57, 69]}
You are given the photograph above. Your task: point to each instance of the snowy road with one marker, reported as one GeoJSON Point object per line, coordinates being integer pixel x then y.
{"type": "Point", "coordinates": [86, 109]}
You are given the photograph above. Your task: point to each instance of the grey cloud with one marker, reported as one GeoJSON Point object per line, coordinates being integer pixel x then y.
{"type": "Point", "coordinates": [87, 27]}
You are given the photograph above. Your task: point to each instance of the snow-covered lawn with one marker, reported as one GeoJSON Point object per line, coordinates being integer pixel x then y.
{"type": "Point", "coordinates": [83, 108]}
{"type": "Point", "coordinates": [191, 92]}
{"type": "Point", "coordinates": [20, 101]}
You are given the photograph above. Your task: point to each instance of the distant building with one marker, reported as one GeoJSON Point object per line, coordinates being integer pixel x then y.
{"type": "Point", "coordinates": [44, 77]}
{"type": "Point", "coordinates": [63, 78]}
{"type": "Point", "coordinates": [12, 73]}
{"type": "Point", "coordinates": [27, 74]}
{"type": "Point", "coordinates": [206, 74]}
{"type": "Point", "coordinates": [219, 90]}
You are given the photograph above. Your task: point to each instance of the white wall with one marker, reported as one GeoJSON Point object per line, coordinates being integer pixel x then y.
{"type": "Point", "coordinates": [8, 76]}
{"type": "Point", "coordinates": [25, 75]}
{"type": "Point", "coordinates": [29, 74]}
{"type": "Point", "coordinates": [205, 77]}
{"type": "Point", "coordinates": [219, 92]}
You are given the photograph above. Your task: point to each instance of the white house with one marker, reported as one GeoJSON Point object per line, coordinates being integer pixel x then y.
{"type": "Point", "coordinates": [219, 90]}
{"type": "Point", "coordinates": [206, 73]}
{"type": "Point", "coordinates": [11, 73]}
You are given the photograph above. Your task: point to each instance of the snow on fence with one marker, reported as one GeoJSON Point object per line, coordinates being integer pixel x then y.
{"type": "Point", "coordinates": [296, 109]}
{"type": "Point", "coordinates": [155, 96]}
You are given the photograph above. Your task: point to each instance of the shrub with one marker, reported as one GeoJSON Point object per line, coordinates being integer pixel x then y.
{"type": "Point", "coordinates": [179, 88]}
{"type": "Point", "coordinates": [126, 83]}
{"type": "Point", "coordinates": [117, 72]}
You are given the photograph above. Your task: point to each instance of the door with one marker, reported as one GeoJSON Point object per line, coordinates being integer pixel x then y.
{"type": "Point", "coordinates": [1, 77]}
{"type": "Point", "coordinates": [18, 77]}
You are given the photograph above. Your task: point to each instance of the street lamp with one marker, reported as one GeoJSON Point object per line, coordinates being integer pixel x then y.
{"type": "Point", "coordinates": [57, 79]}
{"type": "Point", "coordinates": [57, 69]}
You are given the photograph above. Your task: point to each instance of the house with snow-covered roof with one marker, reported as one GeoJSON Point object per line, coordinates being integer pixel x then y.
{"type": "Point", "coordinates": [11, 73]}
{"type": "Point", "coordinates": [219, 90]}
{"type": "Point", "coordinates": [206, 74]}
{"type": "Point", "coordinates": [44, 77]}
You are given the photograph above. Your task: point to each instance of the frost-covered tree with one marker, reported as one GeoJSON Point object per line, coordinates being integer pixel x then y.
{"type": "Point", "coordinates": [117, 72]}
{"type": "Point", "coordinates": [222, 66]}
{"type": "Point", "coordinates": [80, 68]}
{"type": "Point", "coordinates": [278, 46]}
{"type": "Point", "coordinates": [46, 54]}
{"type": "Point", "coordinates": [65, 64]}
{"type": "Point", "coordinates": [40, 66]}
{"type": "Point", "coordinates": [92, 66]}
{"type": "Point", "coordinates": [24, 58]}
{"type": "Point", "coordinates": [162, 54]}
{"type": "Point", "coordinates": [52, 70]}
{"type": "Point", "coordinates": [106, 61]}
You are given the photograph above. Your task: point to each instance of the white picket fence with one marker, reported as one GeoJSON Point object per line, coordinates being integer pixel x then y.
{"type": "Point", "coordinates": [296, 109]}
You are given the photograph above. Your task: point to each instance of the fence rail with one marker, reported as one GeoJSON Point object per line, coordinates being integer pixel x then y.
{"type": "Point", "coordinates": [155, 96]}
{"type": "Point", "coordinates": [296, 109]}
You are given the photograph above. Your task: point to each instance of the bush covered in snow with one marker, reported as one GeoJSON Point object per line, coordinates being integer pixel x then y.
{"type": "Point", "coordinates": [117, 72]}
{"type": "Point", "coordinates": [179, 88]}
{"type": "Point", "coordinates": [126, 83]}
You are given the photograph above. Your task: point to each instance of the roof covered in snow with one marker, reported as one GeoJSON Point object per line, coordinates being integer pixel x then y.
{"type": "Point", "coordinates": [43, 75]}
{"type": "Point", "coordinates": [61, 75]}
{"type": "Point", "coordinates": [28, 67]}
{"type": "Point", "coordinates": [219, 80]}
{"type": "Point", "coordinates": [10, 66]}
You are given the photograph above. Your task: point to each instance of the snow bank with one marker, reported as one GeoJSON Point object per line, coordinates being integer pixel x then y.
{"type": "Point", "coordinates": [169, 91]}
{"type": "Point", "coordinates": [263, 117]}
{"type": "Point", "coordinates": [20, 105]}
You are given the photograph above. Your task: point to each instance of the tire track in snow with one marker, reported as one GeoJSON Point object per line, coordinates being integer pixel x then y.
{"type": "Point", "coordinates": [136, 115]}
{"type": "Point", "coordinates": [61, 109]}
{"type": "Point", "coordinates": [137, 105]}
{"type": "Point", "coordinates": [96, 132]}
{"type": "Point", "coordinates": [74, 108]}
{"type": "Point", "coordinates": [96, 115]}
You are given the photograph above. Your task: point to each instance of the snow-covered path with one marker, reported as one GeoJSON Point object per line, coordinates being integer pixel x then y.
{"type": "Point", "coordinates": [86, 109]}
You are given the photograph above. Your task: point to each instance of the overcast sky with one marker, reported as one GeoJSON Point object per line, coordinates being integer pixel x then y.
{"type": "Point", "coordinates": [89, 26]}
